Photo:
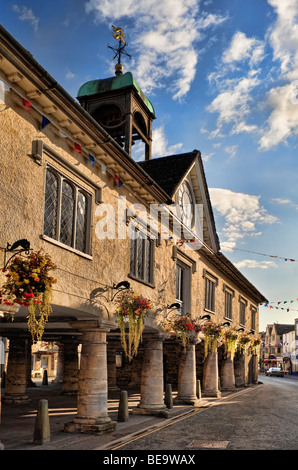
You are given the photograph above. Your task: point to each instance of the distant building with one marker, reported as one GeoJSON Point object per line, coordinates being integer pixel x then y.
{"type": "Point", "coordinates": [272, 349]}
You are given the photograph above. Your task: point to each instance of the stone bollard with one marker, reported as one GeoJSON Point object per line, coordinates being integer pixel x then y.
{"type": "Point", "coordinates": [123, 407]}
{"type": "Point", "coordinates": [45, 377]}
{"type": "Point", "coordinates": [168, 396]}
{"type": "Point", "coordinates": [199, 393]}
{"type": "Point", "coordinates": [42, 424]}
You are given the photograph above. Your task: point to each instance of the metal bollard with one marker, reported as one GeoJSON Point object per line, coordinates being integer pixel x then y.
{"type": "Point", "coordinates": [123, 406]}
{"type": "Point", "coordinates": [45, 377]}
{"type": "Point", "coordinates": [42, 424]}
{"type": "Point", "coordinates": [168, 396]}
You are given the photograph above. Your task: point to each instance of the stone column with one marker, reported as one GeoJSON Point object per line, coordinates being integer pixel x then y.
{"type": "Point", "coordinates": [70, 367]}
{"type": "Point", "coordinates": [112, 369]}
{"type": "Point", "coordinates": [92, 399]}
{"type": "Point", "coordinates": [187, 382]}
{"type": "Point", "coordinates": [255, 368]}
{"type": "Point", "coordinates": [60, 360]}
{"type": "Point", "coordinates": [210, 376]}
{"type": "Point", "coordinates": [16, 377]}
{"type": "Point", "coordinates": [239, 370]}
{"type": "Point", "coordinates": [152, 399]}
{"type": "Point", "coordinates": [227, 377]}
{"type": "Point", "coordinates": [247, 374]}
{"type": "Point", "coordinates": [30, 382]}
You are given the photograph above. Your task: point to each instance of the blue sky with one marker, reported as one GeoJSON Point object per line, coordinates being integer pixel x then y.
{"type": "Point", "coordinates": [223, 78]}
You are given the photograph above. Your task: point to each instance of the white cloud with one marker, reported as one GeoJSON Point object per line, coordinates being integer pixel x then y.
{"type": "Point", "coordinates": [232, 104]}
{"type": "Point", "coordinates": [207, 156]}
{"type": "Point", "coordinates": [242, 214]}
{"type": "Point", "coordinates": [283, 120]}
{"type": "Point", "coordinates": [284, 34]}
{"type": "Point", "coordinates": [26, 14]}
{"type": "Point", "coordinates": [242, 48]}
{"type": "Point", "coordinates": [231, 151]}
{"type": "Point", "coordinates": [160, 147]}
{"type": "Point", "coordinates": [163, 36]}
{"type": "Point", "coordinates": [69, 75]}
{"type": "Point", "coordinates": [283, 37]}
{"type": "Point", "coordinates": [254, 264]}
{"type": "Point", "coordinates": [234, 98]}
{"type": "Point", "coordinates": [285, 202]}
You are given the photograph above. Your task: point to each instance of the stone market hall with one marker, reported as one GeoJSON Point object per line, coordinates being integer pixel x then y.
{"type": "Point", "coordinates": [116, 232]}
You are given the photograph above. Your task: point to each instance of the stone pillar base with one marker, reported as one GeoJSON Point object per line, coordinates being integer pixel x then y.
{"type": "Point", "coordinates": [187, 401]}
{"type": "Point", "coordinates": [90, 426]}
{"type": "Point", "coordinates": [211, 393]}
{"type": "Point", "coordinates": [160, 411]}
{"type": "Point", "coordinates": [16, 398]}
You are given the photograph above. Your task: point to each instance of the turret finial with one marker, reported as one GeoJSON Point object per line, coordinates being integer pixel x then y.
{"type": "Point", "coordinates": [119, 35]}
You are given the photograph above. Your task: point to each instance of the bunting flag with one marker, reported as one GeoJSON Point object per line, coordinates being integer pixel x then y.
{"type": "Point", "coordinates": [118, 181]}
{"type": "Point", "coordinates": [26, 103]}
{"type": "Point", "coordinates": [103, 168]}
{"type": "Point", "coordinates": [78, 147]}
{"type": "Point", "coordinates": [62, 134]}
{"type": "Point", "coordinates": [91, 159]}
{"type": "Point", "coordinates": [45, 121]}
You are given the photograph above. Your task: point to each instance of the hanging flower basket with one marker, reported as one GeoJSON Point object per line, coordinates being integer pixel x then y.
{"type": "Point", "coordinates": [244, 343]}
{"type": "Point", "coordinates": [29, 284]}
{"type": "Point", "coordinates": [230, 339]}
{"type": "Point", "coordinates": [131, 309]}
{"type": "Point", "coordinates": [212, 332]}
{"type": "Point", "coordinates": [183, 326]}
{"type": "Point", "coordinates": [255, 344]}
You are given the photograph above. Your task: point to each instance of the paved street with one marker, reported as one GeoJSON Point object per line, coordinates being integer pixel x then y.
{"type": "Point", "coordinates": [265, 418]}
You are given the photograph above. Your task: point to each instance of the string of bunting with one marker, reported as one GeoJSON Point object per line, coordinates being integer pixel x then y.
{"type": "Point", "coordinates": [257, 253]}
{"type": "Point", "coordinates": [281, 302]}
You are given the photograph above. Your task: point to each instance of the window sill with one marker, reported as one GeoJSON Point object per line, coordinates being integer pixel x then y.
{"type": "Point", "coordinates": [65, 247]}
{"type": "Point", "coordinates": [228, 319]}
{"type": "Point", "coordinates": [141, 281]}
{"type": "Point", "coordinates": [209, 311]}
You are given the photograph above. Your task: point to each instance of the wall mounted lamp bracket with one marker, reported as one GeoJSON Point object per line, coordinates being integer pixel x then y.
{"type": "Point", "coordinates": [20, 246]}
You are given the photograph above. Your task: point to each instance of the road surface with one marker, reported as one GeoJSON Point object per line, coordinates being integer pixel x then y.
{"type": "Point", "coordinates": [263, 418]}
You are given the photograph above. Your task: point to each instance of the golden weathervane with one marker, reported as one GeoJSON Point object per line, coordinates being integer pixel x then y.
{"type": "Point", "coordinates": [119, 35]}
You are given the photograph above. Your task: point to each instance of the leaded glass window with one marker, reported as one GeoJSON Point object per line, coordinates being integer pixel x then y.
{"type": "Point", "coordinates": [51, 205]}
{"type": "Point", "coordinates": [242, 312]}
{"type": "Point", "coordinates": [141, 258]}
{"type": "Point", "coordinates": [209, 295]}
{"type": "Point", "coordinates": [66, 211]}
{"type": "Point", "coordinates": [228, 304]}
{"type": "Point", "coordinates": [81, 222]}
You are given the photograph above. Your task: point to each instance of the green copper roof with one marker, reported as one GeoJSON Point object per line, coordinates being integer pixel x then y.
{"type": "Point", "coordinates": [113, 83]}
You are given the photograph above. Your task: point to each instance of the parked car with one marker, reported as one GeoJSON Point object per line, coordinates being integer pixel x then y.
{"type": "Point", "coordinates": [277, 371]}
